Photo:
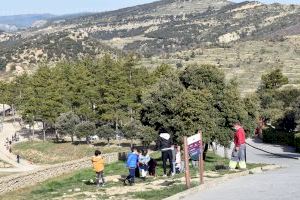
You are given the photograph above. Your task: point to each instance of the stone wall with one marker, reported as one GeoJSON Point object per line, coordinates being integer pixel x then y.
{"type": "Point", "coordinates": [17, 181]}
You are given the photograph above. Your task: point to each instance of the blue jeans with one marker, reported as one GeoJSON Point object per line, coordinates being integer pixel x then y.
{"type": "Point", "coordinates": [240, 155]}
{"type": "Point", "coordinates": [131, 175]}
{"type": "Point", "coordinates": [174, 167]}
{"type": "Point", "coordinates": [99, 175]}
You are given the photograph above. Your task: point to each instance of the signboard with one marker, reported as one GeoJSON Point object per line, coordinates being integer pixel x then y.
{"type": "Point", "coordinates": [194, 147]}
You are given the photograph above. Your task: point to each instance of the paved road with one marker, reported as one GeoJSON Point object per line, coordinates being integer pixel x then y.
{"type": "Point", "coordinates": [280, 184]}
{"type": "Point", "coordinates": [9, 130]}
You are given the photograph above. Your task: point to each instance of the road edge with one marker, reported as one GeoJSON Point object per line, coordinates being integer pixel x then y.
{"type": "Point", "coordinates": [218, 181]}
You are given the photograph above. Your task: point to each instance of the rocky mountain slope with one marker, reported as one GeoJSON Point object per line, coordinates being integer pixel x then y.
{"type": "Point", "coordinates": [167, 31]}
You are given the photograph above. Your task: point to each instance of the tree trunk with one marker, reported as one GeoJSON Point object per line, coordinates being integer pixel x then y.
{"type": "Point", "coordinates": [108, 141]}
{"type": "Point", "coordinates": [56, 135]}
{"type": "Point", "coordinates": [32, 131]}
{"type": "Point", "coordinates": [214, 147]}
{"type": "Point", "coordinates": [3, 117]}
{"type": "Point", "coordinates": [3, 113]}
{"type": "Point", "coordinates": [44, 135]}
{"type": "Point", "coordinates": [131, 115]}
{"type": "Point", "coordinates": [72, 137]}
{"type": "Point", "coordinates": [13, 112]}
{"type": "Point", "coordinates": [117, 125]}
{"type": "Point", "coordinates": [30, 138]}
{"type": "Point", "coordinates": [225, 152]}
{"type": "Point", "coordinates": [117, 129]}
{"type": "Point", "coordinates": [44, 132]}
{"type": "Point", "coordinates": [21, 123]}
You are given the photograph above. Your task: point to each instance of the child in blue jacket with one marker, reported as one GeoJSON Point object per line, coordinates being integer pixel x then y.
{"type": "Point", "coordinates": [131, 164]}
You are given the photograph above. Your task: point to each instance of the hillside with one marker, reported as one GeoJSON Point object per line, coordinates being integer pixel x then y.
{"type": "Point", "coordinates": [18, 54]}
{"type": "Point", "coordinates": [169, 29]}
{"type": "Point", "coordinates": [15, 22]}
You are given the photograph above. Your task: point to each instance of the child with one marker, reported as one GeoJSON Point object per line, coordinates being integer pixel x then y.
{"type": "Point", "coordinates": [182, 161]}
{"type": "Point", "coordinates": [137, 169]}
{"type": "Point", "coordinates": [132, 165]}
{"type": "Point", "coordinates": [144, 159]}
{"type": "Point", "coordinates": [174, 147]}
{"type": "Point", "coordinates": [98, 164]}
{"type": "Point", "coordinates": [152, 167]}
{"type": "Point", "coordinates": [178, 160]}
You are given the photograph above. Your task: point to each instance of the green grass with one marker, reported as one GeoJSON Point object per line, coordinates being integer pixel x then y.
{"type": "Point", "coordinates": [160, 194]}
{"type": "Point", "coordinates": [56, 187]}
{"type": "Point", "coordinates": [50, 153]}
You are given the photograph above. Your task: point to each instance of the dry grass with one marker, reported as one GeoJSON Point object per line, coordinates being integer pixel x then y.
{"type": "Point", "coordinates": [50, 153]}
{"type": "Point", "coordinates": [244, 61]}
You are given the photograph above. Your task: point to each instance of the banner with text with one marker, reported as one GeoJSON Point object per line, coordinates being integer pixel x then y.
{"type": "Point", "coordinates": [194, 146]}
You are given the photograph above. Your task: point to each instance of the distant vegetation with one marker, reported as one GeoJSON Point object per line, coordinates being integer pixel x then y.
{"type": "Point", "coordinates": [106, 95]}
{"type": "Point", "coordinates": [279, 108]}
{"type": "Point", "coordinates": [113, 96]}
{"type": "Point", "coordinates": [50, 48]}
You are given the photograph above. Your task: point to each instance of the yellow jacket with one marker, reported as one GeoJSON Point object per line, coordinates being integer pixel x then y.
{"type": "Point", "coordinates": [98, 163]}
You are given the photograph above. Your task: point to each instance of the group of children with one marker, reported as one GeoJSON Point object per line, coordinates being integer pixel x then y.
{"type": "Point", "coordinates": [139, 164]}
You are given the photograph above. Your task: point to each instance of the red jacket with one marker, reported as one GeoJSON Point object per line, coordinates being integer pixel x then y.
{"type": "Point", "coordinates": [239, 137]}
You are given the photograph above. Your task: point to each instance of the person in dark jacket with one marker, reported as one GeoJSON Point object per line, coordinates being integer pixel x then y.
{"type": "Point", "coordinates": [131, 163]}
{"type": "Point", "coordinates": [152, 167]}
{"type": "Point", "coordinates": [164, 144]}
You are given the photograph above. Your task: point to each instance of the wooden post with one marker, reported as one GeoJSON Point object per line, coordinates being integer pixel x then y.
{"type": "Point", "coordinates": [186, 163]}
{"type": "Point", "coordinates": [201, 161]}
{"type": "Point", "coordinates": [3, 118]}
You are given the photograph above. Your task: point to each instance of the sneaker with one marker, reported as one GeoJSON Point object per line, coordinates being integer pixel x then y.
{"type": "Point", "coordinates": [173, 174]}
{"type": "Point", "coordinates": [103, 185]}
{"type": "Point", "coordinates": [165, 175]}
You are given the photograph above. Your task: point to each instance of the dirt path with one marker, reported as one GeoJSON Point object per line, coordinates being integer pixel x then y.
{"type": "Point", "coordinates": [9, 129]}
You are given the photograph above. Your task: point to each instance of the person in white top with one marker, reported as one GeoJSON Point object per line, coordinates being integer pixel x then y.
{"type": "Point", "coordinates": [144, 159]}
{"type": "Point", "coordinates": [178, 160]}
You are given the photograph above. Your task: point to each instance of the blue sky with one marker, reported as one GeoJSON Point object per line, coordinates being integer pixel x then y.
{"type": "Point", "coordinates": [13, 7]}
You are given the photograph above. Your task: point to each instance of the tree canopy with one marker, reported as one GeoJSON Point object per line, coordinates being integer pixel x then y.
{"type": "Point", "coordinates": [278, 103]}
{"type": "Point", "coordinates": [106, 95]}
{"type": "Point", "coordinates": [196, 98]}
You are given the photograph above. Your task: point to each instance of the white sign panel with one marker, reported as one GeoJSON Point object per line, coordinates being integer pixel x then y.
{"type": "Point", "coordinates": [193, 139]}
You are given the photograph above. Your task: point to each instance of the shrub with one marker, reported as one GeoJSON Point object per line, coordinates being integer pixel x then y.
{"type": "Point", "coordinates": [179, 65]}
{"type": "Point", "coordinates": [278, 137]}
{"type": "Point", "coordinates": [297, 142]}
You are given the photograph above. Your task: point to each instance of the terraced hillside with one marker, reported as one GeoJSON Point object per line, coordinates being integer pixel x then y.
{"type": "Point", "coordinates": [246, 61]}
{"type": "Point", "coordinates": [245, 39]}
